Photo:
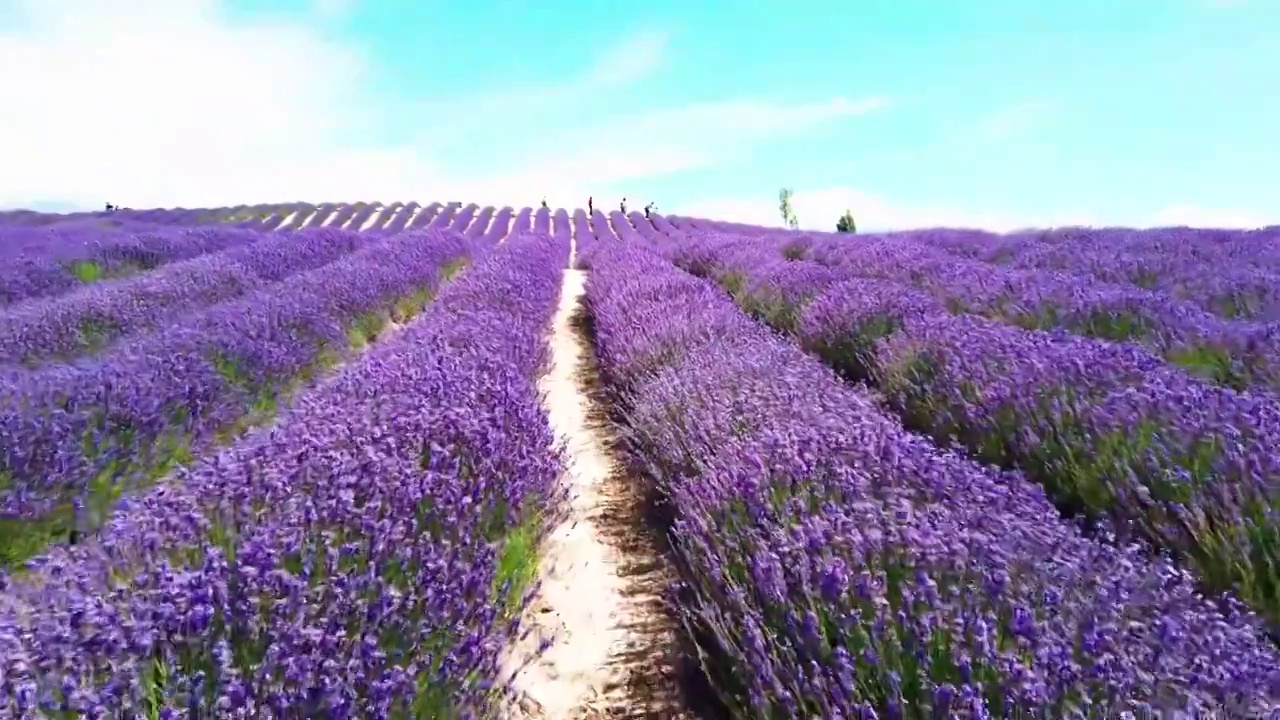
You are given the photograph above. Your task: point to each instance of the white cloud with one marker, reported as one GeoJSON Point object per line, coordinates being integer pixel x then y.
{"type": "Point", "coordinates": [1196, 216]}
{"type": "Point", "coordinates": [621, 63]}
{"type": "Point", "coordinates": [667, 141]}
{"type": "Point", "coordinates": [172, 102]}
{"type": "Point", "coordinates": [603, 159]}
{"type": "Point", "coordinates": [156, 102]}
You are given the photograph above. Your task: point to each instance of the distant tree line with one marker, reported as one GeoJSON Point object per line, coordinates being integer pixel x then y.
{"type": "Point", "coordinates": [845, 224]}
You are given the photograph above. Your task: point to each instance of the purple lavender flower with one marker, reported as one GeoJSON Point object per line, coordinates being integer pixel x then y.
{"type": "Point", "coordinates": [835, 565]}
{"type": "Point", "coordinates": [365, 557]}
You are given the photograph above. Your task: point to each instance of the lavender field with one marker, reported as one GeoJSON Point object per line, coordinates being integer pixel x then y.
{"type": "Point", "coordinates": [401, 461]}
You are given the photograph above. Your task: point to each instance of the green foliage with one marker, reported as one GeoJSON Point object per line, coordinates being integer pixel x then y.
{"type": "Point", "coordinates": [87, 271]}
{"type": "Point", "coordinates": [846, 224]}
{"type": "Point", "coordinates": [784, 207]}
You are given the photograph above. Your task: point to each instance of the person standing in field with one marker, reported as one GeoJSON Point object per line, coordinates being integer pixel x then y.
{"type": "Point", "coordinates": [590, 205]}
{"type": "Point", "coordinates": [544, 202]}
{"type": "Point", "coordinates": [623, 206]}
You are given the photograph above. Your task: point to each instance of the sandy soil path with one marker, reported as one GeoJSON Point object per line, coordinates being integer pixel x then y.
{"type": "Point", "coordinates": [600, 605]}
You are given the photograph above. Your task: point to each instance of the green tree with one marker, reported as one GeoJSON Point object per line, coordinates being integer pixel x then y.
{"type": "Point", "coordinates": [846, 223]}
{"type": "Point", "coordinates": [784, 207]}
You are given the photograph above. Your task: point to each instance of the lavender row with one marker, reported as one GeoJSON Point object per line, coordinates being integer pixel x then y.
{"type": "Point", "coordinates": [836, 565]}
{"type": "Point", "coordinates": [295, 219]}
{"type": "Point", "coordinates": [665, 228]}
{"type": "Point", "coordinates": [559, 226]}
{"type": "Point", "coordinates": [74, 438]}
{"type": "Point", "coordinates": [1235, 274]}
{"type": "Point", "coordinates": [602, 232]}
{"type": "Point", "coordinates": [88, 319]}
{"type": "Point", "coordinates": [1235, 353]}
{"type": "Point", "coordinates": [523, 223]}
{"type": "Point", "coordinates": [583, 238]}
{"type": "Point", "coordinates": [463, 219]}
{"type": "Point", "coordinates": [365, 558]}
{"type": "Point", "coordinates": [632, 227]}
{"type": "Point", "coordinates": [363, 212]}
{"type": "Point", "coordinates": [385, 214]}
{"type": "Point", "coordinates": [424, 219]}
{"type": "Point", "coordinates": [480, 225]}
{"type": "Point", "coordinates": [394, 221]}
{"type": "Point", "coordinates": [444, 218]}
{"type": "Point", "coordinates": [1231, 273]}
{"type": "Point", "coordinates": [325, 212]}
{"type": "Point", "coordinates": [33, 242]}
{"type": "Point", "coordinates": [50, 262]}
{"type": "Point", "coordinates": [1143, 256]}
{"type": "Point", "coordinates": [343, 216]}
{"type": "Point", "coordinates": [498, 230]}
{"type": "Point", "coordinates": [600, 227]}
{"type": "Point", "coordinates": [1110, 430]}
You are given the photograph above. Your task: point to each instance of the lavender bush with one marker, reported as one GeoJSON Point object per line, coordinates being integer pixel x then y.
{"type": "Point", "coordinates": [464, 218]}
{"type": "Point", "coordinates": [1236, 353]}
{"type": "Point", "coordinates": [344, 216]}
{"type": "Point", "coordinates": [444, 218]}
{"type": "Point", "coordinates": [47, 262]}
{"type": "Point", "coordinates": [88, 319]}
{"type": "Point", "coordinates": [838, 566]}
{"type": "Point", "coordinates": [641, 225]}
{"type": "Point", "coordinates": [73, 438]}
{"type": "Point", "coordinates": [425, 218]}
{"type": "Point", "coordinates": [1109, 429]}
{"type": "Point", "coordinates": [365, 558]}
{"type": "Point", "coordinates": [600, 227]}
{"type": "Point", "coordinates": [362, 216]}
{"type": "Point", "coordinates": [499, 228]}
{"type": "Point", "coordinates": [1229, 272]}
{"type": "Point", "coordinates": [558, 224]}
{"type": "Point", "coordinates": [396, 222]}
{"type": "Point", "coordinates": [583, 238]}
{"type": "Point", "coordinates": [480, 226]}
{"type": "Point", "coordinates": [523, 223]}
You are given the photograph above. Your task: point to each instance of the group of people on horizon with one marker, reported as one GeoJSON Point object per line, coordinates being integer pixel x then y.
{"type": "Point", "coordinates": [591, 206]}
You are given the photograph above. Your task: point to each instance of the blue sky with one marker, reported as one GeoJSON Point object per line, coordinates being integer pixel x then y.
{"type": "Point", "coordinates": [979, 112]}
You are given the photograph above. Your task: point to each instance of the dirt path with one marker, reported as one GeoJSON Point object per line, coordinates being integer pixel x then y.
{"type": "Point", "coordinates": [600, 605]}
